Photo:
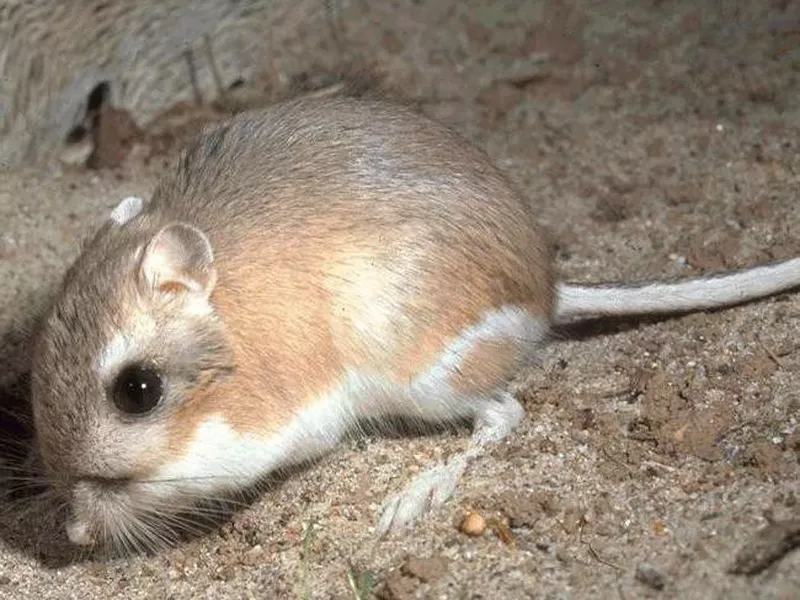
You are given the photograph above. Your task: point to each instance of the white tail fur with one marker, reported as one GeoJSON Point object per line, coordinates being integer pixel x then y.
{"type": "Point", "coordinates": [700, 293]}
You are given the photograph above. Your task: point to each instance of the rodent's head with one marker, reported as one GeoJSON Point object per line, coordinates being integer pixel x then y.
{"type": "Point", "coordinates": [130, 342]}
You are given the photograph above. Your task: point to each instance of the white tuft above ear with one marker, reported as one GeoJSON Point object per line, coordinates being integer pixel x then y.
{"type": "Point", "coordinates": [127, 209]}
{"type": "Point", "coordinates": [179, 259]}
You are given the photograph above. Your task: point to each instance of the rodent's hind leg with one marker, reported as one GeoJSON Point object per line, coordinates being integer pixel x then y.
{"type": "Point", "coordinates": [495, 417]}
{"type": "Point", "coordinates": [469, 380]}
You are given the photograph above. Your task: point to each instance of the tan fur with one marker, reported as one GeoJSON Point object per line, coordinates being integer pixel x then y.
{"type": "Point", "coordinates": [293, 325]}
{"type": "Point", "coordinates": [293, 331]}
{"type": "Point", "coordinates": [303, 328]}
{"type": "Point", "coordinates": [487, 365]}
{"type": "Point", "coordinates": [282, 356]}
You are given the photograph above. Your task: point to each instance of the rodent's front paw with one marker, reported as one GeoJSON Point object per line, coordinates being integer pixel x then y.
{"type": "Point", "coordinates": [429, 488]}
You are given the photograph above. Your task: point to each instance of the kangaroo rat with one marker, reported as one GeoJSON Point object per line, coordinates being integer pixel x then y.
{"type": "Point", "coordinates": [304, 267]}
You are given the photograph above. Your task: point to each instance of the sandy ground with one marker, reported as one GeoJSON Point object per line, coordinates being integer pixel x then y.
{"type": "Point", "coordinates": [654, 138]}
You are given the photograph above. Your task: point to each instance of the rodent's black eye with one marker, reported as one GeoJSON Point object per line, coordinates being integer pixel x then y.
{"type": "Point", "coordinates": [138, 389]}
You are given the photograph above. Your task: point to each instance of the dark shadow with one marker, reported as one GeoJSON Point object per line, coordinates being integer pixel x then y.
{"type": "Point", "coordinates": [98, 96]}
{"type": "Point", "coordinates": [22, 512]}
{"type": "Point", "coordinates": [584, 330]}
{"type": "Point", "coordinates": [602, 326]}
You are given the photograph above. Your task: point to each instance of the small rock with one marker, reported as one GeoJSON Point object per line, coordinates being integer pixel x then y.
{"type": "Point", "coordinates": [398, 587]}
{"type": "Point", "coordinates": [573, 519]}
{"type": "Point", "coordinates": [659, 527]}
{"type": "Point", "coordinates": [5, 579]}
{"type": "Point", "coordinates": [767, 546]}
{"type": "Point", "coordinates": [542, 545]}
{"type": "Point", "coordinates": [253, 555]}
{"type": "Point", "coordinates": [225, 573]}
{"type": "Point", "coordinates": [115, 133]}
{"type": "Point", "coordinates": [426, 569]}
{"type": "Point", "coordinates": [473, 524]}
{"type": "Point", "coordinates": [500, 97]}
{"type": "Point", "coordinates": [650, 576]}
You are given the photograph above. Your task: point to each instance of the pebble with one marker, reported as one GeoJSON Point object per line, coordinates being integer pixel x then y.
{"type": "Point", "coordinates": [253, 555]}
{"type": "Point", "coordinates": [473, 524]}
{"type": "Point", "coordinates": [650, 576]}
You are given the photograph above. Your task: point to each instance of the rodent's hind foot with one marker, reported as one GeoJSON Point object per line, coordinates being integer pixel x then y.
{"type": "Point", "coordinates": [494, 419]}
{"type": "Point", "coordinates": [430, 488]}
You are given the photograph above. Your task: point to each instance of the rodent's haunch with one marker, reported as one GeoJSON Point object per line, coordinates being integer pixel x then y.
{"type": "Point", "coordinates": [304, 267]}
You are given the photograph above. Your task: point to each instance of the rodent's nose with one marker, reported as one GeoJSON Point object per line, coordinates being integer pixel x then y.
{"type": "Point", "coordinates": [100, 481]}
{"type": "Point", "coordinates": [106, 481]}
{"type": "Point", "coordinates": [78, 533]}
{"type": "Point", "coordinates": [87, 491]}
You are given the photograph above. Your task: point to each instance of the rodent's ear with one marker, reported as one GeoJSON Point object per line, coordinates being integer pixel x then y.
{"type": "Point", "coordinates": [127, 209]}
{"type": "Point", "coordinates": [179, 258]}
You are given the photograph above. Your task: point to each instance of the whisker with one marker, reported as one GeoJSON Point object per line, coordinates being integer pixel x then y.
{"type": "Point", "coordinates": [233, 476]}
{"type": "Point", "coordinates": [142, 535]}
{"type": "Point", "coordinates": [155, 532]}
{"type": "Point", "coordinates": [188, 513]}
{"type": "Point", "coordinates": [197, 499]}
{"type": "Point", "coordinates": [23, 477]}
{"type": "Point", "coordinates": [183, 524]}
{"type": "Point", "coordinates": [123, 534]}
{"type": "Point", "coordinates": [20, 417]}
{"type": "Point", "coordinates": [18, 463]}
{"type": "Point", "coordinates": [155, 537]}
{"type": "Point", "coordinates": [24, 507]}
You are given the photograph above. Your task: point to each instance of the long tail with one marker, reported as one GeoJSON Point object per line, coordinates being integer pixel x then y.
{"type": "Point", "coordinates": [579, 302]}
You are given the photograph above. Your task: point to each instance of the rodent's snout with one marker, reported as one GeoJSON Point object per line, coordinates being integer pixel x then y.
{"type": "Point", "coordinates": [79, 533]}
{"type": "Point", "coordinates": [96, 504]}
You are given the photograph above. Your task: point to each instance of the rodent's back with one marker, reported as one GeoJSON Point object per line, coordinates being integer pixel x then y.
{"type": "Point", "coordinates": [364, 170]}
{"type": "Point", "coordinates": [336, 158]}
